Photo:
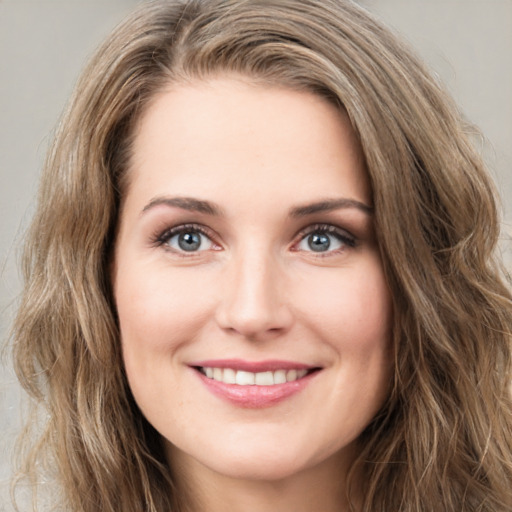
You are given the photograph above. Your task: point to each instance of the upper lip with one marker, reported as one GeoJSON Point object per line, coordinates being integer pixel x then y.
{"type": "Point", "coordinates": [269, 365]}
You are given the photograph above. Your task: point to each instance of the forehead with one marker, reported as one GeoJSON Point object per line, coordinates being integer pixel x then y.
{"type": "Point", "coordinates": [228, 135]}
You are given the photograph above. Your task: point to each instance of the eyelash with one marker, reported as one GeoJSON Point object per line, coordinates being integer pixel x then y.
{"type": "Point", "coordinates": [162, 238]}
{"type": "Point", "coordinates": [341, 235]}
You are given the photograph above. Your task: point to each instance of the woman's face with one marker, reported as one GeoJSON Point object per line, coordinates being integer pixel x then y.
{"type": "Point", "coordinates": [253, 308]}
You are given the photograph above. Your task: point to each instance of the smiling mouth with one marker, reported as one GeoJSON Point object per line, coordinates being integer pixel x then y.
{"type": "Point", "coordinates": [255, 385]}
{"type": "Point", "coordinates": [245, 378]}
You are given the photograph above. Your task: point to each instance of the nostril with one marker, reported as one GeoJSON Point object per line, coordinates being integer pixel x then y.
{"type": "Point", "coordinates": [270, 324]}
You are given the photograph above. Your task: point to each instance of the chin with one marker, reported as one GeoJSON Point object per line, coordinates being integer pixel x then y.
{"type": "Point", "coordinates": [269, 468]}
{"type": "Point", "coordinates": [265, 461]}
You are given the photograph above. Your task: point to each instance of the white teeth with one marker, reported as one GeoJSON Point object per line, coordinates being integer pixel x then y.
{"type": "Point", "coordinates": [229, 376]}
{"type": "Point", "coordinates": [291, 375]}
{"type": "Point", "coordinates": [264, 379]}
{"type": "Point", "coordinates": [242, 378]}
{"type": "Point", "coordinates": [280, 377]}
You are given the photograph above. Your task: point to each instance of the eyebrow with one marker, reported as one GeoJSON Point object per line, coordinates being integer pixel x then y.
{"type": "Point", "coordinates": [329, 205]}
{"type": "Point", "coordinates": [185, 203]}
{"type": "Point", "coordinates": [201, 206]}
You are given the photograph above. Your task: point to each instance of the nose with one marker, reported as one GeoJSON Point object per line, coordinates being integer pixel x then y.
{"type": "Point", "coordinates": [254, 303]}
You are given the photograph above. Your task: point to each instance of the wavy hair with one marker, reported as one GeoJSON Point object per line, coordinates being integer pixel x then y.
{"type": "Point", "coordinates": [443, 440]}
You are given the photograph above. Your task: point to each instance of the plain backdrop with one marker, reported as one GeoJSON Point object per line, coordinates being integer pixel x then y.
{"type": "Point", "coordinates": [44, 44]}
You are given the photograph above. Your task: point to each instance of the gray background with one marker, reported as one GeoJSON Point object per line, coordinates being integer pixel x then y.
{"type": "Point", "coordinates": [44, 44]}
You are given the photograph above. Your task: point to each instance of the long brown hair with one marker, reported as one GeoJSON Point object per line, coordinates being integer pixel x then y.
{"type": "Point", "coordinates": [443, 441]}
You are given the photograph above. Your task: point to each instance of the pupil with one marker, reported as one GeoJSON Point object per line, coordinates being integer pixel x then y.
{"type": "Point", "coordinates": [189, 241]}
{"type": "Point", "coordinates": [318, 242]}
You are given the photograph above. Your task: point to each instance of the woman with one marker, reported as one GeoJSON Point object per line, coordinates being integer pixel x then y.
{"type": "Point", "coordinates": [261, 274]}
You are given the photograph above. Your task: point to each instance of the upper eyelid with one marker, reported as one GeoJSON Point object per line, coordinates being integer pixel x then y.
{"type": "Point", "coordinates": [192, 226]}
{"type": "Point", "coordinates": [326, 227]}
{"type": "Point", "coordinates": [163, 236]}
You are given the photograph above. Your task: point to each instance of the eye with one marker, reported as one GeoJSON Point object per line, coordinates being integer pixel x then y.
{"type": "Point", "coordinates": [187, 239]}
{"type": "Point", "coordinates": [324, 238]}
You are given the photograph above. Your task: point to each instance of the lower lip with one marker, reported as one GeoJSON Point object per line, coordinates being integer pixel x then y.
{"type": "Point", "coordinates": [253, 396]}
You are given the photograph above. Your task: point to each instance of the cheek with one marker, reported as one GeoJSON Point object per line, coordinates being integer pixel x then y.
{"type": "Point", "coordinates": [160, 313]}
{"type": "Point", "coordinates": [351, 308]}
{"type": "Point", "coordinates": [159, 309]}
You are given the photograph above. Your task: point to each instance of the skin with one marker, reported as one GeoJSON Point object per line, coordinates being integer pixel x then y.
{"type": "Point", "coordinates": [254, 290]}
